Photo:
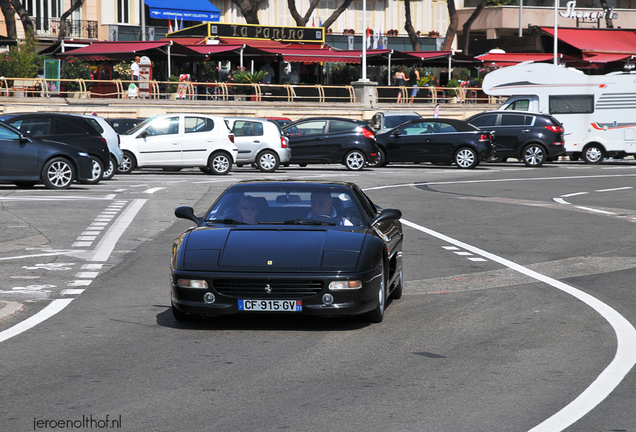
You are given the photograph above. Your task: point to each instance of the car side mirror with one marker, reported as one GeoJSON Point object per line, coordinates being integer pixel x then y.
{"type": "Point", "coordinates": [186, 212]}
{"type": "Point", "coordinates": [397, 133]}
{"type": "Point", "coordinates": [144, 134]}
{"type": "Point", "coordinates": [387, 215]}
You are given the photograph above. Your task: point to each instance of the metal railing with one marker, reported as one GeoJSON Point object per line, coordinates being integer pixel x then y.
{"type": "Point", "coordinates": [222, 91]}
{"type": "Point", "coordinates": [51, 27]}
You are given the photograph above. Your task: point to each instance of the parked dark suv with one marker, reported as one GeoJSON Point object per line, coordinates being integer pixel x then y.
{"type": "Point", "coordinates": [327, 140]}
{"type": "Point", "coordinates": [533, 138]}
{"type": "Point", "coordinates": [69, 129]}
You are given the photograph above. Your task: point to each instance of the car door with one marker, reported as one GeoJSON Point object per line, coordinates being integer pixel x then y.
{"type": "Point", "coordinates": [341, 138]}
{"type": "Point", "coordinates": [159, 143]}
{"type": "Point", "coordinates": [308, 141]}
{"type": "Point", "coordinates": [412, 143]}
{"type": "Point", "coordinates": [490, 123]}
{"type": "Point", "coordinates": [200, 137]}
{"type": "Point", "coordinates": [442, 141]}
{"type": "Point", "coordinates": [248, 138]}
{"type": "Point", "coordinates": [511, 134]}
{"type": "Point", "coordinates": [18, 158]}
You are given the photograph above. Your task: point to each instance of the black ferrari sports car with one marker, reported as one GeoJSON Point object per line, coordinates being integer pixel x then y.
{"type": "Point", "coordinates": [318, 248]}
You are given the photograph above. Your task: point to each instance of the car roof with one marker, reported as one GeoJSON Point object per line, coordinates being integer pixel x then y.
{"type": "Point", "coordinates": [397, 113]}
{"type": "Point", "coordinates": [294, 182]}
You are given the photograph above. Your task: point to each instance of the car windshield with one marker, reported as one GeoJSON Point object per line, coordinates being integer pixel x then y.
{"type": "Point", "coordinates": [394, 121]}
{"type": "Point", "coordinates": [287, 205]}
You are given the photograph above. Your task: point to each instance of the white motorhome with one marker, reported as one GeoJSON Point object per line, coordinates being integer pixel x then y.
{"type": "Point", "coordinates": [598, 112]}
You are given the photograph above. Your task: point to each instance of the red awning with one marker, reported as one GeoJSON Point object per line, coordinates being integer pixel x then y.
{"type": "Point", "coordinates": [593, 42]}
{"type": "Point", "coordinates": [106, 50]}
{"type": "Point", "coordinates": [606, 58]}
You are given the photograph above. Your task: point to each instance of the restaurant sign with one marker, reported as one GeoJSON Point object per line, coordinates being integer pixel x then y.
{"type": "Point", "coordinates": [251, 31]}
{"type": "Point", "coordinates": [571, 12]}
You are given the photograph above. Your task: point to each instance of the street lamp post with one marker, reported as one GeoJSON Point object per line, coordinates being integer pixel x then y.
{"type": "Point", "coordinates": [556, 30]}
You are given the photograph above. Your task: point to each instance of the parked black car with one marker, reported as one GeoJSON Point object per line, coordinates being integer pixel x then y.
{"type": "Point", "coordinates": [327, 140]}
{"type": "Point", "coordinates": [437, 140]}
{"type": "Point", "coordinates": [315, 248]}
{"type": "Point", "coordinates": [534, 138]}
{"type": "Point", "coordinates": [25, 161]}
{"type": "Point", "coordinates": [69, 129]}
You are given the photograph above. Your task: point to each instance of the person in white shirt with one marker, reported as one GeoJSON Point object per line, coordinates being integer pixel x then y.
{"type": "Point", "coordinates": [134, 69]}
{"type": "Point", "coordinates": [322, 205]}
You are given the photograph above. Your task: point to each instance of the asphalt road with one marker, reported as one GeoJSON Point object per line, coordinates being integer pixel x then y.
{"type": "Point", "coordinates": [519, 305]}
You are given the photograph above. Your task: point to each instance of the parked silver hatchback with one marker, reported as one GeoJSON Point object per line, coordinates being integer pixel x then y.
{"type": "Point", "coordinates": [260, 142]}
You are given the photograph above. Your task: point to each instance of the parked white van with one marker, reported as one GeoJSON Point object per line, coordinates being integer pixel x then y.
{"type": "Point", "coordinates": [175, 141]}
{"type": "Point", "coordinates": [598, 112]}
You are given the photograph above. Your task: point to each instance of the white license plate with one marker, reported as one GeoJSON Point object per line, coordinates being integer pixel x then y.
{"type": "Point", "coordinates": [270, 305]}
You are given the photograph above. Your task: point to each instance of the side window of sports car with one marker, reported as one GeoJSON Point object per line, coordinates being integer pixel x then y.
{"type": "Point", "coordinates": [33, 126]}
{"type": "Point", "coordinates": [67, 128]}
{"type": "Point", "coordinates": [7, 134]}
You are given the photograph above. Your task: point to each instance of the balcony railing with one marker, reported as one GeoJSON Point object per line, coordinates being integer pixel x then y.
{"type": "Point", "coordinates": [50, 27]}
{"type": "Point", "coordinates": [220, 91]}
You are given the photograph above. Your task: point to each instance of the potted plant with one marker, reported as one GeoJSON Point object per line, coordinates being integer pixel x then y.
{"type": "Point", "coordinates": [452, 85]}
{"type": "Point", "coordinates": [72, 69]}
{"type": "Point", "coordinates": [244, 77]}
{"type": "Point", "coordinates": [172, 88]}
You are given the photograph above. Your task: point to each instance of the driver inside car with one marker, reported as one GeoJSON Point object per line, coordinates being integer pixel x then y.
{"type": "Point", "coordinates": [322, 205]}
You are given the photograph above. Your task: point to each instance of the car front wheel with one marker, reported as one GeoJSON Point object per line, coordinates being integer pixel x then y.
{"type": "Point", "coordinates": [220, 163]}
{"type": "Point", "coordinates": [466, 158]}
{"type": "Point", "coordinates": [128, 163]}
{"type": "Point", "coordinates": [267, 161]}
{"type": "Point", "coordinates": [58, 173]}
{"type": "Point", "coordinates": [96, 173]}
{"type": "Point", "coordinates": [377, 314]}
{"type": "Point", "coordinates": [593, 154]}
{"type": "Point", "coordinates": [378, 160]}
{"type": "Point", "coordinates": [533, 155]}
{"type": "Point", "coordinates": [355, 160]}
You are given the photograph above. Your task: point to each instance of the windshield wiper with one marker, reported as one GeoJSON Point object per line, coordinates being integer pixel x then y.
{"type": "Point", "coordinates": [226, 221]}
{"type": "Point", "coordinates": [309, 222]}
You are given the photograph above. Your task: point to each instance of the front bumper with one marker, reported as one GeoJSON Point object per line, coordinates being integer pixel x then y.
{"type": "Point", "coordinates": [345, 302]}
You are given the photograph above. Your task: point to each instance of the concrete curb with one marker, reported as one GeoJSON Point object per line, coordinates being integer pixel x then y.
{"type": "Point", "coordinates": [8, 308]}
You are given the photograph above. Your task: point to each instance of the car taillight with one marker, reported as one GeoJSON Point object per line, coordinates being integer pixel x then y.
{"type": "Point", "coordinates": [283, 142]}
{"type": "Point", "coordinates": [555, 129]}
{"type": "Point", "coordinates": [485, 137]}
{"type": "Point", "coordinates": [367, 133]}
{"type": "Point", "coordinates": [231, 137]}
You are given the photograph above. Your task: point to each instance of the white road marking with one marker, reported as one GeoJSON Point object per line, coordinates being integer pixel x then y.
{"type": "Point", "coordinates": [153, 190]}
{"type": "Point", "coordinates": [624, 359]}
{"type": "Point", "coordinates": [108, 242]}
{"type": "Point", "coordinates": [615, 189]}
{"type": "Point", "coordinates": [44, 314]}
{"type": "Point", "coordinates": [560, 201]}
{"type": "Point", "coordinates": [595, 210]}
{"type": "Point", "coordinates": [73, 291]}
{"type": "Point", "coordinates": [574, 194]}
{"type": "Point", "coordinates": [39, 255]}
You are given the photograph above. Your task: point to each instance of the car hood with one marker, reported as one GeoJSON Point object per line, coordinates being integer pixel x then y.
{"type": "Point", "coordinates": [273, 250]}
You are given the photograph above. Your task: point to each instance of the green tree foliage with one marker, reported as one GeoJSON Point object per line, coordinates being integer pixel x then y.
{"type": "Point", "coordinates": [74, 68]}
{"type": "Point", "coordinates": [22, 61]}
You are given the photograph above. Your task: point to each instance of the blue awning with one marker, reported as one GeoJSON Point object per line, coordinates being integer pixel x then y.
{"type": "Point", "coordinates": [192, 10]}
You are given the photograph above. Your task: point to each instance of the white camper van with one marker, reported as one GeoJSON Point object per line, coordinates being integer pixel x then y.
{"type": "Point", "coordinates": [598, 112]}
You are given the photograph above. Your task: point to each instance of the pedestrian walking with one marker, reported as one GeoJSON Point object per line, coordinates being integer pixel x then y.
{"type": "Point", "coordinates": [400, 79]}
{"type": "Point", "coordinates": [414, 78]}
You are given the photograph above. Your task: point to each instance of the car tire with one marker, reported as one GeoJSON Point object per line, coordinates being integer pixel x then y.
{"type": "Point", "coordinates": [575, 157]}
{"type": "Point", "coordinates": [399, 288]}
{"type": "Point", "coordinates": [355, 160]}
{"type": "Point", "coordinates": [377, 314]}
{"type": "Point", "coordinates": [378, 161]}
{"type": "Point", "coordinates": [97, 172]}
{"type": "Point", "coordinates": [112, 167]}
{"type": "Point", "coordinates": [267, 161]}
{"type": "Point", "coordinates": [128, 163]}
{"type": "Point", "coordinates": [593, 154]}
{"type": "Point", "coordinates": [466, 158]}
{"type": "Point", "coordinates": [220, 163]}
{"type": "Point", "coordinates": [180, 316]}
{"type": "Point", "coordinates": [533, 155]}
{"type": "Point", "coordinates": [58, 173]}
